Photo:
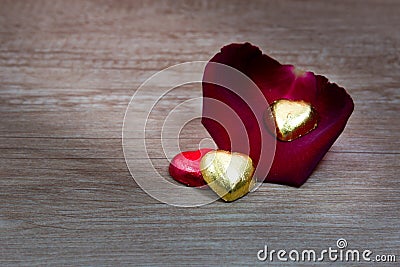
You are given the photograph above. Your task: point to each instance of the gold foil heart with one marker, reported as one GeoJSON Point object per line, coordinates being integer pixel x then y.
{"type": "Point", "coordinates": [293, 119]}
{"type": "Point", "coordinates": [230, 175]}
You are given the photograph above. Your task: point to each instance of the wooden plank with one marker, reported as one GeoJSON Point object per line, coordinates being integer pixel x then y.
{"type": "Point", "coordinates": [67, 73]}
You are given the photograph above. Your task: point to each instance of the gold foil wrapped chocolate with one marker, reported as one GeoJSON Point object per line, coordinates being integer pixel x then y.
{"type": "Point", "coordinates": [293, 119]}
{"type": "Point", "coordinates": [230, 175]}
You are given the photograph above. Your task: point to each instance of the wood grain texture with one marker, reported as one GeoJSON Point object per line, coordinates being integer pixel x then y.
{"type": "Point", "coordinates": [67, 72]}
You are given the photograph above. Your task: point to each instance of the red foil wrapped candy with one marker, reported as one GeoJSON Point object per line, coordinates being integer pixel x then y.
{"type": "Point", "coordinates": [304, 135]}
{"type": "Point", "coordinates": [185, 167]}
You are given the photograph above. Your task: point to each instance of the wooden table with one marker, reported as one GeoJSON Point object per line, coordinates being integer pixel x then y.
{"type": "Point", "coordinates": [67, 72]}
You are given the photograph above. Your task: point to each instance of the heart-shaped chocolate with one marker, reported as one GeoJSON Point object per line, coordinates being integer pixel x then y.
{"type": "Point", "coordinates": [185, 167]}
{"type": "Point", "coordinates": [293, 119]}
{"type": "Point", "coordinates": [230, 175]}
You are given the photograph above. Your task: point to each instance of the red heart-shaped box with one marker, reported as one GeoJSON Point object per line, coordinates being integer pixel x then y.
{"type": "Point", "coordinates": [294, 161]}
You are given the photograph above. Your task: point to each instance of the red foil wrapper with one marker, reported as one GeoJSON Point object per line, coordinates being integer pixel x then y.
{"type": "Point", "coordinates": [185, 167]}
